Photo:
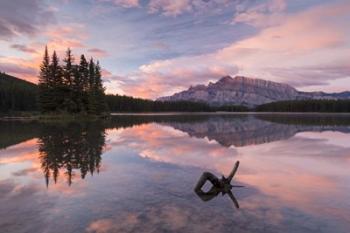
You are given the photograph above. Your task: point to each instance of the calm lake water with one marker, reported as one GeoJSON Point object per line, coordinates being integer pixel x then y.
{"type": "Point", "coordinates": [138, 173]}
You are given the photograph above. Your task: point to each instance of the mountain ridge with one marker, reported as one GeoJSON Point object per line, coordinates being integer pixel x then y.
{"type": "Point", "coordinates": [248, 92]}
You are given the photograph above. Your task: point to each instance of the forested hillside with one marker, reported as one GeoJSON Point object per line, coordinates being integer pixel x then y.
{"type": "Point", "coordinates": [118, 103]}
{"type": "Point", "coordinates": [306, 106]}
{"type": "Point", "coordinates": [17, 94]}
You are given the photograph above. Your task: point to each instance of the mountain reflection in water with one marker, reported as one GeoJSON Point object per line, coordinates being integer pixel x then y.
{"type": "Point", "coordinates": [137, 174]}
{"type": "Point", "coordinates": [75, 146]}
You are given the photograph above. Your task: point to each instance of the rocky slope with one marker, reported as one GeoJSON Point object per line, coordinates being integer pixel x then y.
{"type": "Point", "coordinates": [247, 91]}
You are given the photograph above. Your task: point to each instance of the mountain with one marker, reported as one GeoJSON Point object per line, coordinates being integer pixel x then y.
{"type": "Point", "coordinates": [17, 94]}
{"type": "Point", "coordinates": [248, 92]}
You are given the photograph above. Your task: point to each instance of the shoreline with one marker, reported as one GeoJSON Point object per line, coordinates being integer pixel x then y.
{"type": "Point", "coordinates": [227, 113]}
{"type": "Point", "coordinates": [86, 117]}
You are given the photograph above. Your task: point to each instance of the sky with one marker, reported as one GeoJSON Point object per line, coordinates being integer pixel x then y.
{"type": "Point", "coordinates": [154, 48]}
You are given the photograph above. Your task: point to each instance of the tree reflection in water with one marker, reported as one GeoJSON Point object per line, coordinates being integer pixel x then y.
{"type": "Point", "coordinates": [65, 148]}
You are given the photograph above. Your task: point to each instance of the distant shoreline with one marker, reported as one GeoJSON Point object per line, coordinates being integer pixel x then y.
{"type": "Point", "coordinates": [226, 113]}
{"type": "Point", "coordinates": [79, 117]}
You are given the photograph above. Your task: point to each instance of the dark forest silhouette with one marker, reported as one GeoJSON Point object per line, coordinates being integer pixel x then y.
{"type": "Point", "coordinates": [309, 105]}
{"type": "Point", "coordinates": [17, 94]}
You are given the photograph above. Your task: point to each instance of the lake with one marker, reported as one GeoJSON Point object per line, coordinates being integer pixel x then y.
{"type": "Point", "coordinates": [137, 173]}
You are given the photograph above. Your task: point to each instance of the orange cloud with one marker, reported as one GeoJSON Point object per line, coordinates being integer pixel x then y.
{"type": "Point", "coordinates": [58, 38]}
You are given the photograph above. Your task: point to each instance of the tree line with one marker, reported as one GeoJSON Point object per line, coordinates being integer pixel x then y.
{"type": "Point", "coordinates": [306, 106]}
{"type": "Point", "coordinates": [119, 103]}
{"type": "Point", "coordinates": [70, 88]}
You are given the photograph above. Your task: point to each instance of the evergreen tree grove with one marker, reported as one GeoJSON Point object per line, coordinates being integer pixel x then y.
{"type": "Point", "coordinates": [70, 88]}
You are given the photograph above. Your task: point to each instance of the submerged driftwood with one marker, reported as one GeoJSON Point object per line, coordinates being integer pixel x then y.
{"type": "Point", "coordinates": [222, 186]}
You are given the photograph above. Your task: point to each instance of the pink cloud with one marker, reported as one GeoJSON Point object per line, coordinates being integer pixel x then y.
{"type": "Point", "coordinates": [60, 38]}
{"type": "Point", "coordinates": [313, 38]}
{"type": "Point", "coordinates": [98, 52]}
{"type": "Point", "coordinates": [20, 68]}
{"type": "Point", "coordinates": [57, 38]}
{"type": "Point", "coordinates": [124, 3]}
{"type": "Point", "coordinates": [159, 78]}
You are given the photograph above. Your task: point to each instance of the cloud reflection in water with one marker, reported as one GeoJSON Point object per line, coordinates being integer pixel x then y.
{"type": "Point", "coordinates": [296, 176]}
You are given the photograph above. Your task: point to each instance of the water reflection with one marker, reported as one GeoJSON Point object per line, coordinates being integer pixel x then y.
{"type": "Point", "coordinates": [222, 186]}
{"type": "Point", "coordinates": [64, 148]}
{"type": "Point", "coordinates": [68, 147]}
{"type": "Point", "coordinates": [15, 132]}
{"type": "Point", "coordinates": [295, 173]}
{"type": "Point", "coordinates": [244, 130]}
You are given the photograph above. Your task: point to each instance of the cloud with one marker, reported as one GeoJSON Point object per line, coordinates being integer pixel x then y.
{"type": "Point", "coordinates": [23, 17]}
{"type": "Point", "coordinates": [57, 37]}
{"type": "Point", "coordinates": [23, 48]}
{"type": "Point", "coordinates": [264, 14]}
{"type": "Point", "coordinates": [175, 8]}
{"type": "Point", "coordinates": [61, 37]}
{"type": "Point", "coordinates": [123, 3]}
{"type": "Point", "coordinates": [20, 71]}
{"type": "Point", "coordinates": [313, 75]}
{"type": "Point", "coordinates": [292, 51]}
{"type": "Point", "coordinates": [98, 52]}
{"type": "Point", "coordinates": [166, 77]}
{"type": "Point", "coordinates": [169, 7]}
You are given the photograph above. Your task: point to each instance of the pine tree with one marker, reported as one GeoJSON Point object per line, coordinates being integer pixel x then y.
{"type": "Point", "coordinates": [84, 74]}
{"type": "Point", "coordinates": [91, 73]}
{"type": "Point", "coordinates": [92, 100]}
{"type": "Point", "coordinates": [68, 68]}
{"type": "Point", "coordinates": [101, 105]}
{"type": "Point", "coordinates": [77, 90]}
{"type": "Point", "coordinates": [68, 75]}
{"type": "Point", "coordinates": [45, 84]}
{"type": "Point", "coordinates": [57, 83]}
